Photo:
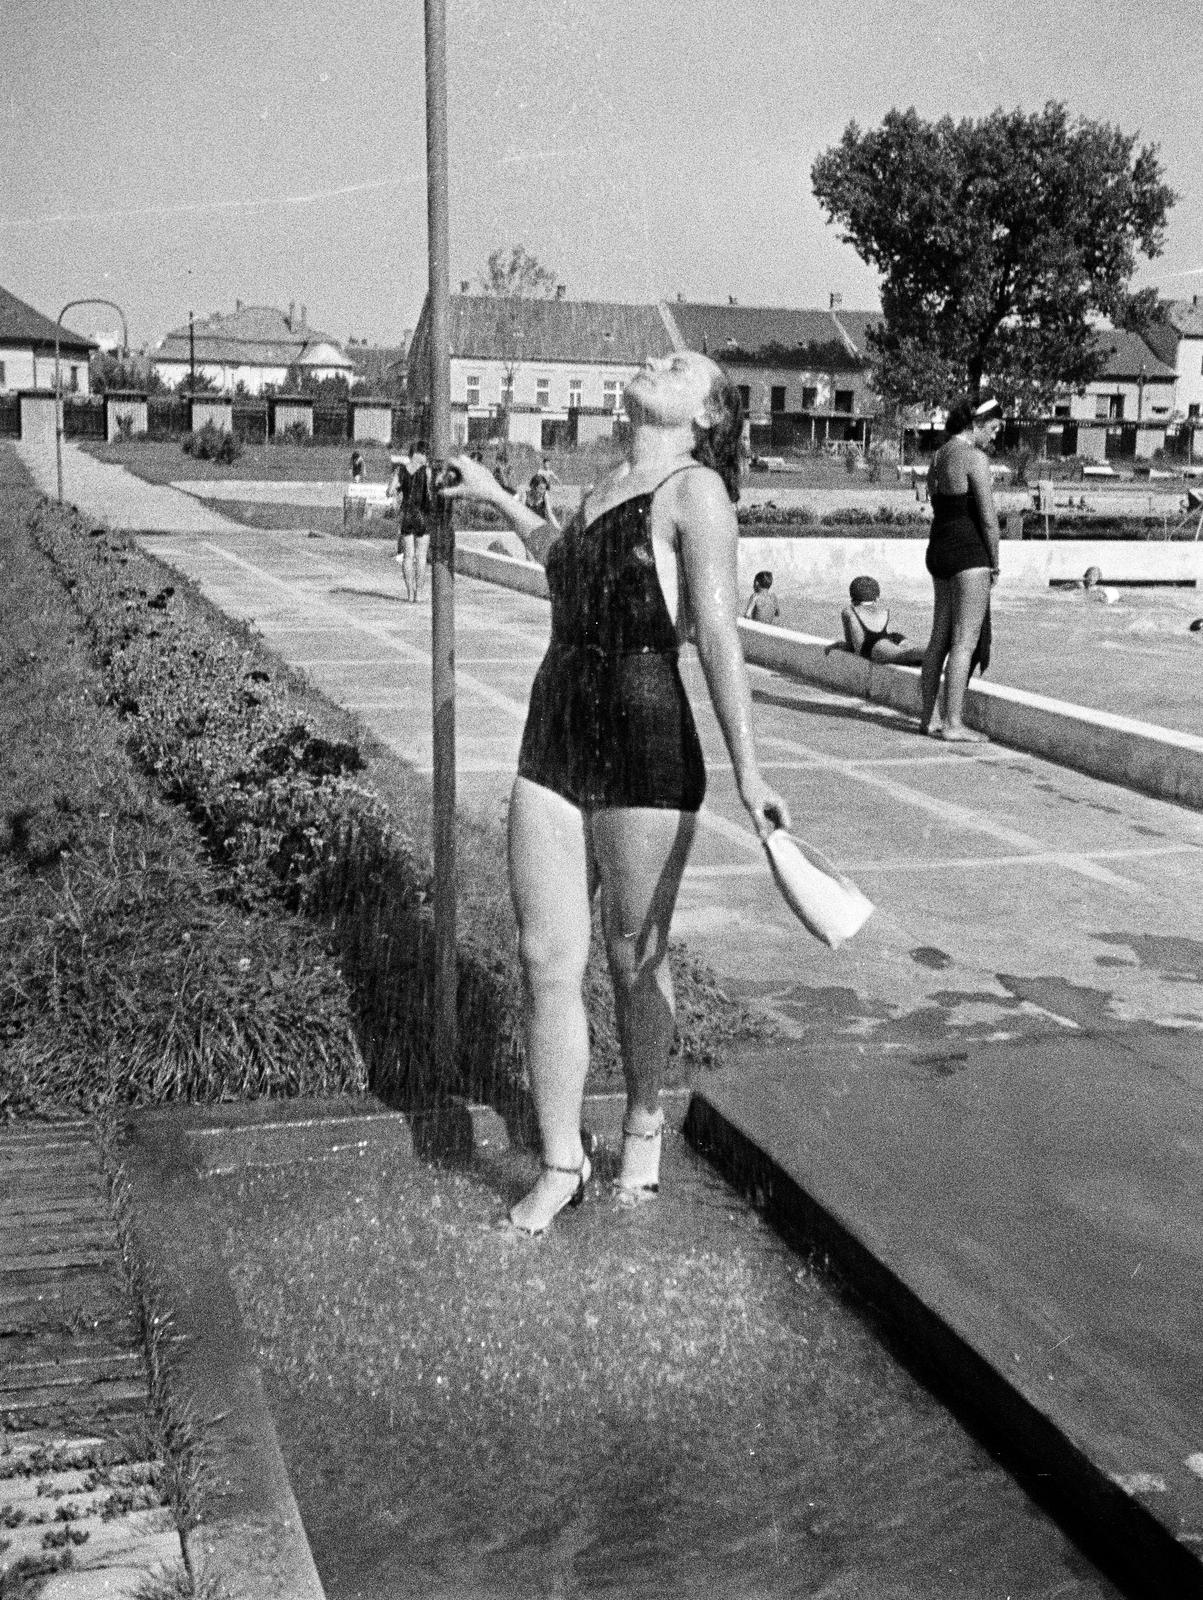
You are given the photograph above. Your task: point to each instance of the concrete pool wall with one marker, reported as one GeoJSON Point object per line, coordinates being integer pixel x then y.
{"type": "Point", "coordinates": [1158, 761]}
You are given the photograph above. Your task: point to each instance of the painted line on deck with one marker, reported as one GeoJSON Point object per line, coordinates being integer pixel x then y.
{"type": "Point", "coordinates": [956, 816]}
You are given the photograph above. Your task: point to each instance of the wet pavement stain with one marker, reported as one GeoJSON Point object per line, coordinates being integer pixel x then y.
{"type": "Point", "coordinates": [927, 955]}
{"type": "Point", "coordinates": [1174, 958]}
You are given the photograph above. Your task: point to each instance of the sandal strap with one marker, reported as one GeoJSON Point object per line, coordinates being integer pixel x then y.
{"type": "Point", "coordinates": [571, 1172]}
{"type": "Point", "coordinates": [657, 1131]}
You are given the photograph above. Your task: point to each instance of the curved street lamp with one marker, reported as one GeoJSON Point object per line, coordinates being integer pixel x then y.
{"type": "Point", "coordinates": [89, 300]}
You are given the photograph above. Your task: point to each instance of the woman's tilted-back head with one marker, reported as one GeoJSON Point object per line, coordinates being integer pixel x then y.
{"type": "Point", "coordinates": [689, 390]}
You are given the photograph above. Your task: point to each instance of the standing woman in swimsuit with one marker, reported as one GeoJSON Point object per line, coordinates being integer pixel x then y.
{"type": "Point", "coordinates": [962, 557]}
{"type": "Point", "coordinates": [610, 774]}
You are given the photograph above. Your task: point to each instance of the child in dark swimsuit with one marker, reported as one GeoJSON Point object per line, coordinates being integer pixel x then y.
{"type": "Point", "coordinates": [866, 624]}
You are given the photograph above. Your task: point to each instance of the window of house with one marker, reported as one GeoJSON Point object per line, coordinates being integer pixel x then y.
{"type": "Point", "coordinates": [1192, 411]}
{"type": "Point", "coordinates": [575, 389]}
{"type": "Point", "coordinates": [777, 397]}
{"type": "Point", "coordinates": [745, 396]}
{"type": "Point", "coordinates": [473, 385]}
{"type": "Point", "coordinates": [1115, 411]}
{"type": "Point", "coordinates": [843, 400]}
{"type": "Point", "coordinates": [543, 392]}
{"type": "Point", "coordinates": [810, 397]}
{"type": "Point", "coordinates": [612, 394]}
{"type": "Point", "coordinates": [507, 388]}
{"type": "Point", "coordinates": [1102, 407]}
{"type": "Point", "coordinates": [3, 376]}
{"type": "Point", "coordinates": [1061, 408]}
{"type": "Point", "coordinates": [73, 380]}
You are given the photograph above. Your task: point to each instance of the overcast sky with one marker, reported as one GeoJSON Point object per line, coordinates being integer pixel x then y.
{"type": "Point", "coordinates": [179, 154]}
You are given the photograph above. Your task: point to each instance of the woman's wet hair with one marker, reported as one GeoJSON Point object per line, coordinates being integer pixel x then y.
{"type": "Point", "coordinates": [720, 446]}
{"type": "Point", "coordinates": [763, 580]}
{"type": "Point", "coordinates": [960, 415]}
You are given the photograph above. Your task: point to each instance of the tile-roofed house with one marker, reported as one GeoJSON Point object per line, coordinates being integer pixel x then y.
{"type": "Point", "coordinates": [544, 369]}
{"type": "Point", "coordinates": [1125, 410]}
{"type": "Point", "coordinates": [253, 346]}
{"type": "Point", "coordinates": [27, 350]}
{"type": "Point", "coordinates": [1178, 341]}
{"type": "Point", "coordinates": [803, 373]}
{"type": "Point", "coordinates": [379, 368]}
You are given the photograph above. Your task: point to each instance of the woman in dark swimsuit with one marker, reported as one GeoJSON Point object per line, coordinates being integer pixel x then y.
{"type": "Point", "coordinates": [962, 557]}
{"type": "Point", "coordinates": [610, 776]}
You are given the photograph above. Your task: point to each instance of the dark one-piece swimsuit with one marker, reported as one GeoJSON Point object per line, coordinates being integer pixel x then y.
{"type": "Point", "coordinates": [609, 723]}
{"type": "Point", "coordinates": [956, 542]}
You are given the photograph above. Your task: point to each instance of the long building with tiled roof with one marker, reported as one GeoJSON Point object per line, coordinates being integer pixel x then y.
{"type": "Point", "coordinates": [27, 350]}
{"type": "Point", "coordinates": [252, 346]}
{"type": "Point", "coordinates": [546, 370]}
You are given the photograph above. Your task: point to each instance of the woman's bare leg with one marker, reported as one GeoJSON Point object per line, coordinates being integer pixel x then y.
{"type": "Point", "coordinates": [421, 548]}
{"type": "Point", "coordinates": [641, 855]}
{"type": "Point", "coordinates": [971, 596]}
{"type": "Point", "coordinates": [407, 565]}
{"type": "Point", "coordinates": [937, 648]}
{"type": "Point", "coordinates": [551, 883]}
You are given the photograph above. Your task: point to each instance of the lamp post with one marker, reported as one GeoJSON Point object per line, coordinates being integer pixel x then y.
{"type": "Point", "coordinates": [442, 598]}
{"type": "Point", "coordinates": [89, 300]}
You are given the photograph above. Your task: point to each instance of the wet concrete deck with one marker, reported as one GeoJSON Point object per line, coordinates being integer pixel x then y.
{"type": "Point", "coordinates": [1026, 1218]}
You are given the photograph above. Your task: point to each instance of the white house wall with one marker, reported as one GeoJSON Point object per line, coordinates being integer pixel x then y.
{"type": "Point", "coordinates": [593, 377]}
{"type": "Point", "coordinates": [1190, 375]}
{"type": "Point", "coordinates": [25, 370]}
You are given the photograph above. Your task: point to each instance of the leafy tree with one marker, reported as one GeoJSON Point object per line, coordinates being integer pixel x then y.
{"type": "Point", "coordinates": [109, 372]}
{"type": "Point", "coordinates": [999, 242]}
{"type": "Point", "coordinates": [511, 279]}
{"type": "Point", "coordinates": [518, 276]}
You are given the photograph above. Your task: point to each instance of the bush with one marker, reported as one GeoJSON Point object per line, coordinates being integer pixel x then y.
{"type": "Point", "coordinates": [295, 433]}
{"type": "Point", "coordinates": [212, 443]}
{"type": "Point", "coordinates": [127, 970]}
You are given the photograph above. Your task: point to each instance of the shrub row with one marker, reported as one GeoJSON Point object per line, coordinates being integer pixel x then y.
{"type": "Point", "coordinates": [774, 516]}
{"type": "Point", "coordinates": [128, 971]}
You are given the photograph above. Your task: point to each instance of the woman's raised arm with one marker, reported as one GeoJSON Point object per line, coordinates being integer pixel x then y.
{"type": "Point", "coordinates": [708, 535]}
{"type": "Point", "coordinates": [475, 482]}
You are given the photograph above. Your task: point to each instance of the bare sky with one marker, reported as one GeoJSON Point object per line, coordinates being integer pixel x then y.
{"type": "Point", "coordinates": [177, 154]}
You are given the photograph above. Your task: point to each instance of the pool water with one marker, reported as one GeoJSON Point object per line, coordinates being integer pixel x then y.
{"type": "Point", "coordinates": [658, 1402]}
{"type": "Point", "coordinates": [1136, 658]}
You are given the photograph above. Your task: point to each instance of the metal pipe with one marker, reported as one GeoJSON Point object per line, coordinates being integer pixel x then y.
{"type": "Point", "coordinates": [442, 601]}
{"type": "Point", "coordinates": [58, 375]}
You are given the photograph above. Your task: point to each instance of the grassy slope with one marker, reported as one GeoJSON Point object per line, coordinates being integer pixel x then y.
{"type": "Point", "coordinates": [126, 967]}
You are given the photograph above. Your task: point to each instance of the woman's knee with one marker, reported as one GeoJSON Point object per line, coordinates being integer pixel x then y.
{"type": "Point", "coordinates": [551, 960]}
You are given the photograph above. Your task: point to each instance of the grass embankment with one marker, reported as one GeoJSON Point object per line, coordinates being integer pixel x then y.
{"type": "Point", "coordinates": [259, 921]}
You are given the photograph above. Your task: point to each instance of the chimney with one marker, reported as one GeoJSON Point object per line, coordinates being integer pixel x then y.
{"type": "Point", "coordinates": [292, 314]}
{"type": "Point", "coordinates": [464, 285]}
{"type": "Point", "coordinates": [835, 300]}
{"type": "Point", "coordinates": [238, 305]}
{"type": "Point", "coordinates": [680, 297]}
{"type": "Point", "coordinates": [561, 291]}
{"type": "Point", "coordinates": [304, 316]}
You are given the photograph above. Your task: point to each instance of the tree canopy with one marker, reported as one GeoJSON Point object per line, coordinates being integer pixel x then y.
{"type": "Point", "coordinates": [1000, 242]}
{"type": "Point", "coordinates": [516, 275]}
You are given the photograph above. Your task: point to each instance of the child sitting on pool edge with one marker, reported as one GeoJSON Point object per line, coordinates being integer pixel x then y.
{"type": "Point", "coordinates": [762, 606]}
{"type": "Point", "coordinates": [866, 624]}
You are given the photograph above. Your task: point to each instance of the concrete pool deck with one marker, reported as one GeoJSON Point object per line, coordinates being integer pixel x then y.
{"type": "Point", "coordinates": [1025, 910]}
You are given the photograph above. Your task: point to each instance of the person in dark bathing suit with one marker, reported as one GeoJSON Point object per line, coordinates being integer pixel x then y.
{"type": "Point", "coordinates": [610, 775]}
{"type": "Point", "coordinates": [866, 624]}
{"type": "Point", "coordinates": [962, 558]}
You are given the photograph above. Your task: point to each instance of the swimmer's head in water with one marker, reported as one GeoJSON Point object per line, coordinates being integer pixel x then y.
{"type": "Point", "coordinates": [1091, 577]}
{"type": "Point", "coordinates": [1196, 626]}
{"type": "Point", "coordinates": [763, 580]}
{"type": "Point", "coordinates": [864, 591]}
